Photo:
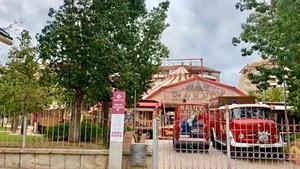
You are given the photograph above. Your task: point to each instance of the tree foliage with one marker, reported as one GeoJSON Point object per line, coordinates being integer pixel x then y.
{"type": "Point", "coordinates": [272, 94]}
{"type": "Point", "coordinates": [273, 30]}
{"type": "Point", "coordinates": [92, 46]}
{"type": "Point", "coordinates": [21, 89]}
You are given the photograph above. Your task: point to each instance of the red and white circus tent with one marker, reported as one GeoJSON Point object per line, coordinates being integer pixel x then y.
{"type": "Point", "coordinates": [181, 86]}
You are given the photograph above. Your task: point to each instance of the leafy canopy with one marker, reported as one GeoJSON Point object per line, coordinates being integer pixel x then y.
{"type": "Point", "coordinates": [273, 30]}
{"type": "Point", "coordinates": [20, 84]}
{"type": "Point", "coordinates": [91, 46]}
{"type": "Point", "coordinates": [272, 94]}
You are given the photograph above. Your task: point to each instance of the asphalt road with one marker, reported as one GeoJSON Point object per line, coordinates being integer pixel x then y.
{"type": "Point", "coordinates": [213, 159]}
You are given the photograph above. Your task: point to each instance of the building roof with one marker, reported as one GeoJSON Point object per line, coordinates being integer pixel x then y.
{"type": "Point", "coordinates": [181, 78]}
{"type": "Point", "coordinates": [148, 104]}
{"type": "Point", "coordinates": [180, 71]}
{"type": "Point", "coordinates": [190, 68]}
{"type": "Point", "coordinates": [5, 34]}
{"type": "Point", "coordinates": [176, 81]}
{"type": "Point", "coordinates": [5, 37]}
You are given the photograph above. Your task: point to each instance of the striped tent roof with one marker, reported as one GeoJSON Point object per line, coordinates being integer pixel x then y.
{"type": "Point", "coordinates": [180, 77]}
{"type": "Point", "coordinates": [180, 74]}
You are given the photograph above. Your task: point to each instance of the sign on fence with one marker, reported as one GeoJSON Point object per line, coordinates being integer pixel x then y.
{"type": "Point", "coordinates": [117, 117]}
{"type": "Point", "coordinates": [116, 130]}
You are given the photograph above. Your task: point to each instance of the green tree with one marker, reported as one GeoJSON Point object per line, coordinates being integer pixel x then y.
{"type": "Point", "coordinates": [21, 90]}
{"type": "Point", "coordinates": [92, 46]}
{"type": "Point", "coordinates": [255, 93]}
{"type": "Point", "coordinates": [272, 94]}
{"type": "Point", "coordinates": [273, 30]}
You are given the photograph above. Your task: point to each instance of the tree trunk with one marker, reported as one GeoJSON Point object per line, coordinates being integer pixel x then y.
{"type": "Point", "coordinates": [105, 123]}
{"type": "Point", "coordinates": [74, 135]}
{"type": "Point", "coordinates": [14, 124]}
{"type": "Point", "coordinates": [2, 119]}
{"type": "Point", "coordinates": [22, 125]}
{"type": "Point", "coordinates": [99, 114]}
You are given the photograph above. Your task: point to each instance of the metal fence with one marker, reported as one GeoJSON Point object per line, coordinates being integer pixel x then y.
{"type": "Point", "coordinates": [51, 129]}
{"type": "Point", "coordinates": [255, 143]}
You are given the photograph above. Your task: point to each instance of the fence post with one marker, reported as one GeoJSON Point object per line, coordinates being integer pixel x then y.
{"type": "Point", "coordinates": [228, 138]}
{"type": "Point", "coordinates": [24, 132]}
{"type": "Point", "coordinates": [155, 144]}
{"type": "Point", "coordinates": [286, 117]}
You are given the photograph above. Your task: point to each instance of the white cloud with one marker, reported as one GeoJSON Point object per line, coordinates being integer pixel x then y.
{"type": "Point", "coordinates": [198, 28]}
{"type": "Point", "coordinates": [32, 13]}
{"type": "Point", "coordinates": [202, 28]}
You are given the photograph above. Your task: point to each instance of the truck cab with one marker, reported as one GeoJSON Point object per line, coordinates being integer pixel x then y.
{"type": "Point", "coordinates": [253, 133]}
{"type": "Point", "coordinates": [191, 127]}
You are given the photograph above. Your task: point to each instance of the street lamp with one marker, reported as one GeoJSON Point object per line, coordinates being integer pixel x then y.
{"type": "Point", "coordinates": [5, 37]}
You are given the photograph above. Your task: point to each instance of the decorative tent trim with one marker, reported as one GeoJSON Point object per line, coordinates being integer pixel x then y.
{"type": "Point", "coordinates": [156, 90]}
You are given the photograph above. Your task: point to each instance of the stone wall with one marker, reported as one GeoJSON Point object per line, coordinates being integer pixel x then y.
{"type": "Point", "coordinates": [12, 158]}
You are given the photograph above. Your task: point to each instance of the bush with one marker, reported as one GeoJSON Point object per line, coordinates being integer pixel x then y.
{"type": "Point", "coordinates": [295, 137]}
{"type": "Point", "coordinates": [58, 132]}
{"type": "Point", "coordinates": [89, 131]}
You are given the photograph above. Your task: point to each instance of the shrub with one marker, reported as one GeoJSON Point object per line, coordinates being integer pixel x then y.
{"type": "Point", "coordinates": [295, 137]}
{"type": "Point", "coordinates": [89, 131]}
{"type": "Point", "coordinates": [58, 132]}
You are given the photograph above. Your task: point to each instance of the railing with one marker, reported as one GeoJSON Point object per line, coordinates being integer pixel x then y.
{"type": "Point", "coordinates": [258, 148]}
{"type": "Point", "coordinates": [51, 129]}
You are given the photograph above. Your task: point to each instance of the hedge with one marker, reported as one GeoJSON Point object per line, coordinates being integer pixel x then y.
{"type": "Point", "coordinates": [89, 131]}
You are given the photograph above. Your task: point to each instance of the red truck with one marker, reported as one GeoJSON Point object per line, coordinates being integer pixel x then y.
{"type": "Point", "coordinates": [191, 127]}
{"type": "Point", "coordinates": [253, 133]}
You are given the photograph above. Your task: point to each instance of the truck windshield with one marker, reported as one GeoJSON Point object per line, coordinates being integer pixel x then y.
{"type": "Point", "coordinates": [250, 112]}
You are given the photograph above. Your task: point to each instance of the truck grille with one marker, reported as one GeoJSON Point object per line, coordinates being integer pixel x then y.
{"type": "Point", "coordinates": [259, 137]}
{"type": "Point", "coordinates": [263, 136]}
{"type": "Point", "coordinates": [251, 135]}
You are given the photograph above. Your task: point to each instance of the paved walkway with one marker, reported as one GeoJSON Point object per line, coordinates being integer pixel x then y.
{"type": "Point", "coordinates": [214, 159]}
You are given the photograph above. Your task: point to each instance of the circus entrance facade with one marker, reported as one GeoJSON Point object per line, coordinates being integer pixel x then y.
{"type": "Point", "coordinates": [194, 90]}
{"type": "Point", "coordinates": [178, 87]}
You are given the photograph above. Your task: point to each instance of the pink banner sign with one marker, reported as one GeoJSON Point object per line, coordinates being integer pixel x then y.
{"type": "Point", "coordinates": [118, 102]}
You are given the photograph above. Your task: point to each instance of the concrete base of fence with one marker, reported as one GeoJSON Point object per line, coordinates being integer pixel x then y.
{"type": "Point", "coordinates": [13, 158]}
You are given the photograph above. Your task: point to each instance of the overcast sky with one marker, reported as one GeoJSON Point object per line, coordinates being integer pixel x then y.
{"type": "Point", "coordinates": [198, 28]}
